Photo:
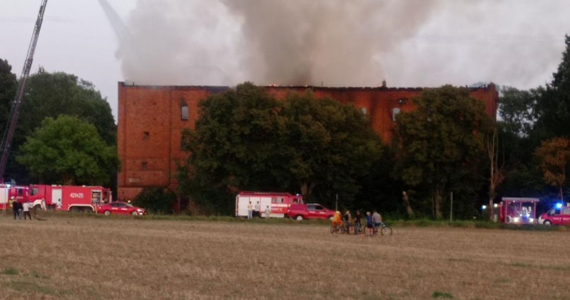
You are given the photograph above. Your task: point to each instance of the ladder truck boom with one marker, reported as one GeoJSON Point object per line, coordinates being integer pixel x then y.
{"type": "Point", "coordinates": [16, 104]}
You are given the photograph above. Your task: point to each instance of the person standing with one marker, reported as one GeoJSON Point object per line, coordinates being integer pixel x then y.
{"type": "Point", "coordinates": [26, 208]}
{"type": "Point", "coordinates": [267, 212]}
{"type": "Point", "coordinates": [347, 218]}
{"type": "Point", "coordinates": [249, 211]}
{"type": "Point", "coordinates": [257, 210]}
{"type": "Point", "coordinates": [357, 222]}
{"type": "Point", "coordinates": [369, 224]}
{"type": "Point", "coordinates": [377, 219]}
{"type": "Point", "coordinates": [15, 207]}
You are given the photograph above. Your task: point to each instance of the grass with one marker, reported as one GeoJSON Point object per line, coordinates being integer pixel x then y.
{"type": "Point", "coordinates": [87, 257]}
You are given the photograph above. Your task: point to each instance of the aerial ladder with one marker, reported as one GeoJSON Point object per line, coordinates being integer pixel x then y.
{"type": "Point", "coordinates": [17, 103]}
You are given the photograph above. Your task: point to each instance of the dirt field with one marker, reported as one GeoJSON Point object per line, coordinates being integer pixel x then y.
{"type": "Point", "coordinates": [88, 258]}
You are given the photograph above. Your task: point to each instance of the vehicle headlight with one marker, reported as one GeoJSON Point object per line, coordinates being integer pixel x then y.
{"type": "Point", "coordinates": [516, 219]}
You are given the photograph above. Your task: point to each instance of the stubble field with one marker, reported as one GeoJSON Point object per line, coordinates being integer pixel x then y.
{"type": "Point", "coordinates": [124, 258]}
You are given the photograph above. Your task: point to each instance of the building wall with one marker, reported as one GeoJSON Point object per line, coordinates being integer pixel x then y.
{"type": "Point", "coordinates": [150, 123]}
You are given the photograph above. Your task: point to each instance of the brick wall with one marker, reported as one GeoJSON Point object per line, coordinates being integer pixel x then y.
{"type": "Point", "coordinates": [150, 123]}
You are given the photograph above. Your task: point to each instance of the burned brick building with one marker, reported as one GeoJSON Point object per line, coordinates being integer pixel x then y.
{"type": "Point", "coordinates": [151, 120]}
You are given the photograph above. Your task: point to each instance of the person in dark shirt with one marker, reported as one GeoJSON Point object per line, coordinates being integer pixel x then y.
{"type": "Point", "coordinates": [347, 219]}
{"type": "Point", "coordinates": [369, 224]}
{"type": "Point", "coordinates": [357, 222]}
{"type": "Point", "coordinates": [15, 208]}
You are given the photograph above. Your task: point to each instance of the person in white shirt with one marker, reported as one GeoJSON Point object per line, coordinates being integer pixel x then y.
{"type": "Point", "coordinates": [27, 210]}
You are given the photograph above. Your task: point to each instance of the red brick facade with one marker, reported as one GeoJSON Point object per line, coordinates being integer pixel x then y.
{"type": "Point", "coordinates": [151, 121]}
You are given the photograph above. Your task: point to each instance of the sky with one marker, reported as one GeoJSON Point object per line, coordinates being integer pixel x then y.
{"type": "Point", "coordinates": [408, 43]}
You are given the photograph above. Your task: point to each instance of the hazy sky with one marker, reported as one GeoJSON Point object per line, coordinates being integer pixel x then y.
{"type": "Point", "coordinates": [212, 42]}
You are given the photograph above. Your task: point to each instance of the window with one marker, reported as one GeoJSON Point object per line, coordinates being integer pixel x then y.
{"type": "Point", "coordinates": [566, 211]}
{"type": "Point", "coordinates": [364, 111]}
{"type": "Point", "coordinates": [144, 165]}
{"type": "Point", "coordinates": [277, 200]}
{"type": "Point", "coordinates": [146, 136]}
{"type": "Point", "coordinates": [183, 110]}
{"type": "Point", "coordinates": [318, 207]}
{"type": "Point", "coordinates": [310, 207]}
{"type": "Point", "coordinates": [35, 191]}
{"type": "Point", "coordinates": [395, 112]}
{"type": "Point", "coordinates": [20, 192]}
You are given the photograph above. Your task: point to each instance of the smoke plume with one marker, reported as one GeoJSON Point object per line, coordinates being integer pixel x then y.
{"type": "Point", "coordinates": [341, 42]}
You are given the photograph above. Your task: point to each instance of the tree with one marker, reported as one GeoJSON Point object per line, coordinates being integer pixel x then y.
{"type": "Point", "coordinates": [327, 147]}
{"type": "Point", "coordinates": [8, 86]}
{"type": "Point", "coordinates": [156, 200]}
{"type": "Point", "coordinates": [247, 140]}
{"type": "Point", "coordinates": [553, 108]}
{"type": "Point", "coordinates": [441, 142]}
{"type": "Point", "coordinates": [553, 156]}
{"type": "Point", "coordinates": [54, 94]}
{"type": "Point", "coordinates": [68, 151]}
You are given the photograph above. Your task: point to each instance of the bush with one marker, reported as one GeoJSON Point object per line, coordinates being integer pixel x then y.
{"type": "Point", "coordinates": [156, 200]}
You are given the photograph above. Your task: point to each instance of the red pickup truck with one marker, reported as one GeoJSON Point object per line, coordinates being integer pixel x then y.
{"type": "Point", "coordinates": [301, 212]}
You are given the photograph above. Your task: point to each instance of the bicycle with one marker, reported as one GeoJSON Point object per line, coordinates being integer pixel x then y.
{"type": "Point", "coordinates": [383, 228]}
{"type": "Point", "coordinates": [342, 228]}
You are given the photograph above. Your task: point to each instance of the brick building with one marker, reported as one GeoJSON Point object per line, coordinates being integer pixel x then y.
{"type": "Point", "coordinates": [151, 119]}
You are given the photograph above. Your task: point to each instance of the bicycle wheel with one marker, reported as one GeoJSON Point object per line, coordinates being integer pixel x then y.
{"type": "Point", "coordinates": [386, 230]}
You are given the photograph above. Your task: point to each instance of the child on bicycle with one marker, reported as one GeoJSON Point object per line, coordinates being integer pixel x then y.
{"type": "Point", "coordinates": [347, 219]}
{"type": "Point", "coordinates": [357, 222]}
{"type": "Point", "coordinates": [337, 219]}
{"type": "Point", "coordinates": [369, 224]}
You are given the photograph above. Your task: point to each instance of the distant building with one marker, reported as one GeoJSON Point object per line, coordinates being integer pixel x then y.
{"type": "Point", "coordinates": [151, 119]}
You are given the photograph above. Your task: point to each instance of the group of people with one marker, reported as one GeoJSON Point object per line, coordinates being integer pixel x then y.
{"type": "Point", "coordinates": [19, 209]}
{"type": "Point", "coordinates": [255, 211]}
{"type": "Point", "coordinates": [373, 221]}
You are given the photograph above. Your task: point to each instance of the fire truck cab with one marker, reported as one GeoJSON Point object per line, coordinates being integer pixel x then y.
{"type": "Point", "coordinates": [12, 192]}
{"type": "Point", "coordinates": [278, 203]}
{"type": "Point", "coordinates": [518, 210]}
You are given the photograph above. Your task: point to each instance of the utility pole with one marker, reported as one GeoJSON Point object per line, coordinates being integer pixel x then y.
{"type": "Point", "coordinates": [15, 110]}
{"type": "Point", "coordinates": [336, 204]}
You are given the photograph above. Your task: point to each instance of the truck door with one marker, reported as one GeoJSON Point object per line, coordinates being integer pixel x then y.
{"type": "Point", "coordinates": [565, 215]}
{"type": "Point", "coordinates": [241, 208]}
{"type": "Point", "coordinates": [4, 197]}
{"type": "Point", "coordinates": [56, 195]}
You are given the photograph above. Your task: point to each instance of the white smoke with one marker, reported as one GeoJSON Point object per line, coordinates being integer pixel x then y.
{"type": "Point", "coordinates": [343, 43]}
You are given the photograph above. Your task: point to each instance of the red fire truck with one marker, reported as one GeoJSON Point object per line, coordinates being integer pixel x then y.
{"type": "Point", "coordinates": [57, 197]}
{"type": "Point", "coordinates": [12, 192]}
{"type": "Point", "coordinates": [278, 203]}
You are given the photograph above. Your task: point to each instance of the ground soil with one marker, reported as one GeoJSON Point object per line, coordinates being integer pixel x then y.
{"type": "Point", "coordinates": [126, 258]}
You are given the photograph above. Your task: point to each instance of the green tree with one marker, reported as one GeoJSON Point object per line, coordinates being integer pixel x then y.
{"type": "Point", "coordinates": [54, 94]}
{"type": "Point", "coordinates": [326, 147]}
{"type": "Point", "coordinates": [156, 200]}
{"type": "Point", "coordinates": [8, 86]}
{"type": "Point", "coordinates": [442, 143]}
{"type": "Point", "coordinates": [247, 140]}
{"type": "Point", "coordinates": [554, 155]}
{"type": "Point", "coordinates": [553, 108]}
{"type": "Point", "coordinates": [69, 151]}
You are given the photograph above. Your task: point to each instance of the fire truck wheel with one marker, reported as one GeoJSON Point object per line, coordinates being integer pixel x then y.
{"type": "Point", "coordinates": [135, 213]}
{"type": "Point", "coordinates": [331, 218]}
{"type": "Point", "coordinates": [108, 213]}
{"type": "Point", "coordinates": [299, 218]}
{"type": "Point", "coordinates": [547, 223]}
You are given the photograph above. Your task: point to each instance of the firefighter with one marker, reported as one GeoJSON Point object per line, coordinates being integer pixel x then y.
{"type": "Point", "coordinates": [14, 205]}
